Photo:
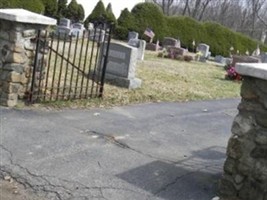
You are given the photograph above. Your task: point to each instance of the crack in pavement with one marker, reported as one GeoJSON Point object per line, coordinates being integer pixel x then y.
{"type": "Point", "coordinates": [112, 139]}
{"type": "Point", "coordinates": [164, 188]}
{"type": "Point", "coordinates": [43, 184]}
{"type": "Point", "coordinates": [59, 192]}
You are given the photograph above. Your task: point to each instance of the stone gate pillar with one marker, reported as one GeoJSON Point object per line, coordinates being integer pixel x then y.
{"type": "Point", "coordinates": [245, 169]}
{"type": "Point", "coordinates": [18, 29]}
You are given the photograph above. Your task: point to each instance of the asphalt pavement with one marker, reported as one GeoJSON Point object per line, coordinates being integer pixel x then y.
{"type": "Point", "coordinates": [155, 151]}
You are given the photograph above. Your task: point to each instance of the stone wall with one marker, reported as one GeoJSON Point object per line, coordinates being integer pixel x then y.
{"type": "Point", "coordinates": [17, 50]}
{"type": "Point", "coordinates": [245, 169]}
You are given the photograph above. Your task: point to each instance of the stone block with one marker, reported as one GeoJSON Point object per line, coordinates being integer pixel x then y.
{"type": "Point", "coordinates": [4, 35]}
{"type": "Point", "coordinates": [8, 103]}
{"type": "Point", "coordinates": [259, 152]}
{"type": "Point", "coordinates": [245, 167]}
{"type": "Point", "coordinates": [19, 68]}
{"type": "Point", "coordinates": [261, 84]}
{"type": "Point", "coordinates": [227, 187]}
{"type": "Point", "coordinates": [238, 179]}
{"type": "Point", "coordinates": [243, 125]}
{"type": "Point", "coordinates": [4, 75]}
{"type": "Point", "coordinates": [235, 148]}
{"type": "Point", "coordinates": [14, 57]}
{"type": "Point", "coordinates": [23, 79]}
{"type": "Point", "coordinates": [28, 71]}
{"type": "Point", "coordinates": [261, 119]}
{"type": "Point", "coordinates": [28, 45]}
{"type": "Point", "coordinates": [248, 90]}
{"type": "Point", "coordinates": [11, 87]}
{"type": "Point", "coordinates": [245, 191]}
{"type": "Point", "coordinates": [29, 33]}
{"type": "Point", "coordinates": [14, 77]}
{"type": "Point", "coordinates": [15, 36]}
{"type": "Point", "coordinates": [13, 97]}
{"type": "Point", "coordinates": [230, 165]}
{"type": "Point", "coordinates": [261, 137]}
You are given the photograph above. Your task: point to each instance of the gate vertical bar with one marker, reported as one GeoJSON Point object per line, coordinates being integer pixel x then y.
{"type": "Point", "coordinates": [84, 65]}
{"type": "Point", "coordinates": [61, 66]}
{"type": "Point", "coordinates": [90, 64]}
{"type": "Point", "coordinates": [95, 78]}
{"type": "Point", "coordinates": [48, 65]}
{"type": "Point", "coordinates": [42, 65]}
{"type": "Point", "coordinates": [72, 71]}
{"type": "Point", "coordinates": [105, 64]}
{"type": "Point", "coordinates": [54, 68]}
{"type": "Point", "coordinates": [79, 64]}
{"type": "Point", "coordinates": [67, 67]}
{"type": "Point", "coordinates": [99, 64]}
{"type": "Point", "coordinates": [35, 66]}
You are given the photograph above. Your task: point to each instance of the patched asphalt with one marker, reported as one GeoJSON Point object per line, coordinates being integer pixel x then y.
{"type": "Point", "coordinates": [156, 151]}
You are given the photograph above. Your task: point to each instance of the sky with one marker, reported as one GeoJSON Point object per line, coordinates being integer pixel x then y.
{"type": "Point", "coordinates": [117, 5]}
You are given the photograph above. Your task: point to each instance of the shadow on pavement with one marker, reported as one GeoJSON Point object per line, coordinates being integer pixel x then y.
{"type": "Point", "coordinates": [193, 178]}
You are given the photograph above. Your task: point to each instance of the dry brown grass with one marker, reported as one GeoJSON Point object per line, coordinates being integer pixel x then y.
{"type": "Point", "coordinates": [167, 80]}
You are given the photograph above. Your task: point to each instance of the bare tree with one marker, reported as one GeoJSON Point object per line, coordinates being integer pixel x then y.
{"type": "Point", "coordinates": [165, 5]}
{"type": "Point", "coordinates": [246, 16]}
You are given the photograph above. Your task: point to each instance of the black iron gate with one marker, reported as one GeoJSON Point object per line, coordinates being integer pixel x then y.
{"type": "Point", "coordinates": [70, 66]}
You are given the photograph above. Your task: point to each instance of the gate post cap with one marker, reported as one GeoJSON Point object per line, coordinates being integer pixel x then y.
{"type": "Point", "coordinates": [25, 16]}
{"type": "Point", "coordinates": [256, 70]}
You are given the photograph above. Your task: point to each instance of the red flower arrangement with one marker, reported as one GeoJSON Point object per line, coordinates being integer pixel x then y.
{"type": "Point", "coordinates": [232, 74]}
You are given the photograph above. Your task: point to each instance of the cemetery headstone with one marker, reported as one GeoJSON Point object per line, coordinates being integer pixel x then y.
{"type": "Point", "coordinates": [204, 49]}
{"type": "Point", "coordinates": [228, 61]}
{"type": "Point", "coordinates": [152, 47]}
{"type": "Point", "coordinates": [97, 35]}
{"type": "Point", "coordinates": [90, 26]}
{"type": "Point", "coordinates": [168, 41]}
{"type": "Point", "coordinates": [140, 45]}
{"type": "Point", "coordinates": [63, 29]}
{"type": "Point", "coordinates": [220, 59]}
{"type": "Point", "coordinates": [133, 35]}
{"type": "Point", "coordinates": [121, 65]}
{"type": "Point", "coordinates": [64, 22]}
{"type": "Point", "coordinates": [264, 57]}
{"type": "Point", "coordinates": [176, 51]}
{"type": "Point", "coordinates": [245, 59]}
{"type": "Point", "coordinates": [141, 50]}
{"type": "Point", "coordinates": [134, 42]}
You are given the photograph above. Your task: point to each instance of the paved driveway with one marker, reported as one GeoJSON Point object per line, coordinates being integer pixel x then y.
{"type": "Point", "coordinates": [161, 151]}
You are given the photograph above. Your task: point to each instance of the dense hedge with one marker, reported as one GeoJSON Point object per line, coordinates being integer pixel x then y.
{"type": "Point", "coordinates": [32, 5]}
{"type": "Point", "coordinates": [218, 37]}
{"type": "Point", "coordinates": [149, 15]}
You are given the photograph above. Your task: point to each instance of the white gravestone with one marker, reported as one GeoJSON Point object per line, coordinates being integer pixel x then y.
{"type": "Point", "coordinates": [133, 35]}
{"type": "Point", "coordinates": [140, 45]}
{"type": "Point", "coordinates": [204, 49]}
